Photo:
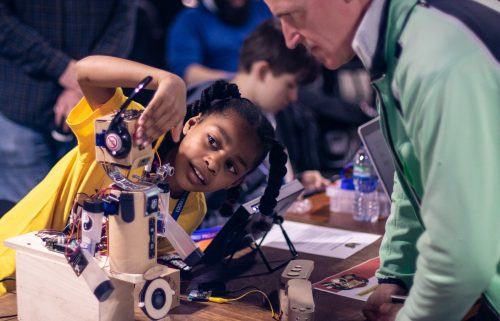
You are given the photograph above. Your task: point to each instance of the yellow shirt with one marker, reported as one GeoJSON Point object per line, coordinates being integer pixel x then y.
{"type": "Point", "coordinates": [48, 204]}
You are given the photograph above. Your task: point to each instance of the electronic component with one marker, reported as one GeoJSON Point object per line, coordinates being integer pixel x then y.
{"type": "Point", "coordinates": [199, 295]}
{"type": "Point", "coordinates": [296, 298]}
{"type": "Point", "coordinates": [297, 269]}
{"type": "Point", "coordinates": [55, 246]}
{"type": "Point", "coordinates": [55, 241]}
{"type": "Point", "coordinates": [175, 261]}
{"type": "Point", "coordinates": [113, 136]}
{"type": "Point", "coordinates": [300, 300]}
{"type": "Point", "coordinates": [110, 144]}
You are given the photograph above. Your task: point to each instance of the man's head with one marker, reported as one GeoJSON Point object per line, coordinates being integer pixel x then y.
{"type": "Point", "coordinates": [325, 27]}
{"type": "Point", "coordinates": [277, 70]}
{"type": "Point", "coordinates": [233, 12]}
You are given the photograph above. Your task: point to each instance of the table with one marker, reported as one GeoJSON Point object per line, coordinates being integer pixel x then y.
{"type": "Point", "coordinates": [249, 270]}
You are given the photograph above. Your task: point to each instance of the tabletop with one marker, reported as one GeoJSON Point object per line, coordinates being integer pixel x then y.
{"type": "Point", "coordinates": [248, 270]}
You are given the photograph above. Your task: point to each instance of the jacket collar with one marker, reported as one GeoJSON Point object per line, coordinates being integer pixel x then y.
{"type": "Point", "coordinates": [368, 44]}
{"type": "Point", "coordinates": [378, 33]}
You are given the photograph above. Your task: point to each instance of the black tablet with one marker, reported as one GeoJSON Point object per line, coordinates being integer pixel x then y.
{"type": "Point", "coordinates": [237, 232]}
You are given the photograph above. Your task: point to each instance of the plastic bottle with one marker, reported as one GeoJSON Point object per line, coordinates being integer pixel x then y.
{"type": "Point", "coordinates": [366, 203]}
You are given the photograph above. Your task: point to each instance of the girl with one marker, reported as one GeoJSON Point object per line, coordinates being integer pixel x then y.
{"type": "Point", "coordinates": [223, 138]}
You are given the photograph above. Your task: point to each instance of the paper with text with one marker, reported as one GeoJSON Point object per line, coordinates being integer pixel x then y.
{"type": "Point", "coordinates": [319, 240]}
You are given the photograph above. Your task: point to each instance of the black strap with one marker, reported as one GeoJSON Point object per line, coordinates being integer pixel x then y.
{"type": "Point", "coordinates": [486, 311]}
{"type": "Point", "coordinates": [180, 205]}
{"type": "Point", "coordinates": [480, 19]}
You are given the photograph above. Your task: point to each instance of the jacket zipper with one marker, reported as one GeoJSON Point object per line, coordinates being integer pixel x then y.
{"type": "Point", "coordinates": [409, 190]}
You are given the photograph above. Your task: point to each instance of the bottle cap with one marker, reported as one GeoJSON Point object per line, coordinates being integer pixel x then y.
{"type": "Point", "coordinates": [347, 183]}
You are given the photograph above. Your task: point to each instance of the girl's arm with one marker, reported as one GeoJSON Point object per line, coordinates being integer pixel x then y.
{"type": "Point", "coordinates": [99, 76]}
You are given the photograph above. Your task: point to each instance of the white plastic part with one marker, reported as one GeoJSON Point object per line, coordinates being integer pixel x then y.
{"type": "Point", "coordinates": [179, 239]}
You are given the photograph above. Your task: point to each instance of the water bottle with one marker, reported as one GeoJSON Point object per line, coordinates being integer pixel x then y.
{"type": "Point", "coordinates": [366, 204]}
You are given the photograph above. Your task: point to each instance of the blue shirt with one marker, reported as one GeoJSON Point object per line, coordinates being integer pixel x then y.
{"type": "Point", "coordinates": [199, 36]}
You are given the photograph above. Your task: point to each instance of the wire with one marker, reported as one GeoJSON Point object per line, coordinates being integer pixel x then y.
{"type": "Point", "coordinates": [184, 297]}
{"type": "Point", "coordinates": [8, 316]}
{"type": "Point", "coordinates": [243, 289]}
{"type": "Point", "coordinates": [159, 158]}
{"type": "Point", "coordinates": [224, 300]}
{"type": "Point", "coordinates": [7, 279]}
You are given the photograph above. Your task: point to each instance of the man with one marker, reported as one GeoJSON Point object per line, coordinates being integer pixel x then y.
{"type": "Point", "coordinates": [435, 67]}
{"type": "Point", "coordinates": [39, 44]}
{"type": "Point", "coordinates": [203, 42]}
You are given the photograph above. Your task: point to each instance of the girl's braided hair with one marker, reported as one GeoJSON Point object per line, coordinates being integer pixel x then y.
{"type": "Point", "coordinates": [222, 97]}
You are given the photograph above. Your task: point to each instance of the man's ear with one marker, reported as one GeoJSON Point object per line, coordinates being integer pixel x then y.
{"type": "Point", "coordinates": [260, 69]}
{"type": "Point", "coordinates": [192, 122]}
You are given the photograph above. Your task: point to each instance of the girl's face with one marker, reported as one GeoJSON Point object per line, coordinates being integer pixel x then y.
{"type": "Point", "coordinates": [216, 152]}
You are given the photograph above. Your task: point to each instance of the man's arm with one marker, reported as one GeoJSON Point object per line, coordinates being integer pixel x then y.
{"type": "Point", "coordinates": [115, 41]}
{"type": "Point", "coordinates": [196, 73]}
{"type": "Point", "coordinates": [397, 252]}
{"type": "Point", "coordinates": [453, 122]}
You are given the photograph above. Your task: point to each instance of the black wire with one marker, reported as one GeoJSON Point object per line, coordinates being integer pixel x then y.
{"type": "Point", "coordinates": [7, 279]}
{"type": "Point", "coordinates": [253, 287]}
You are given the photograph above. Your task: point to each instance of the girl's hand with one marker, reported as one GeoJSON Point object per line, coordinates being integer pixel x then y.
{"type": "Point", "coordinates": [164, 112]}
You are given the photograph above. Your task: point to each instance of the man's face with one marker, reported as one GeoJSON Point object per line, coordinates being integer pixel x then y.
{"type": "Point", "coordinates": [276, 92]}
{"type": "Point", "coordinates": [215, 153]}
{"type": "Point", "coordinates": [325, 27]}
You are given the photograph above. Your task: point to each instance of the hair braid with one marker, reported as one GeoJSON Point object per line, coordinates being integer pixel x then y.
{"type": "Point", "coordinates": [218, 91]}
{"type": "Point", "coordinates": [277, 161]}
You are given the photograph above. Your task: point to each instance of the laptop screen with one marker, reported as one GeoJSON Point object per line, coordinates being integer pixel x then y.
{"type": "Point", "coordinates": [376, 146]}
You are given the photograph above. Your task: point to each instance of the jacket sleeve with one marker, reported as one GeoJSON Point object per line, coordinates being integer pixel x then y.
{"type": "Point", "coordinates": [453, 122]}
{"type": "Point", "coordinates": [398, 251]}
{"type": "Point", "coordinates": [30, 50]}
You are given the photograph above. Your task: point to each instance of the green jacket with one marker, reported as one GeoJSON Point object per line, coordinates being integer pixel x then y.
{"type": "Point", "coordinates": [438, 87]}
